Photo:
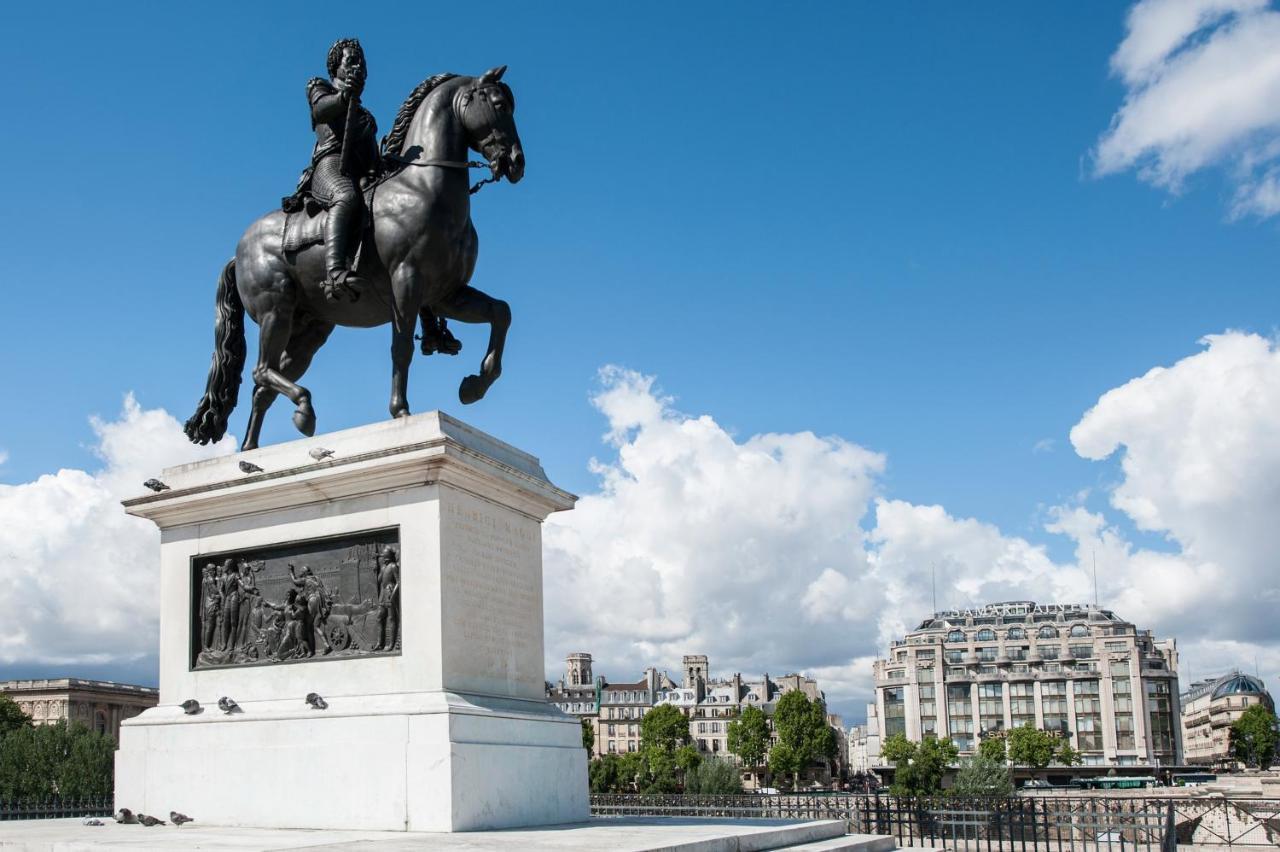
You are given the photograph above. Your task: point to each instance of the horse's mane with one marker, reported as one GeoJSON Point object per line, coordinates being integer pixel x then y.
{"type": "Point", "coordinates": [393, 142]}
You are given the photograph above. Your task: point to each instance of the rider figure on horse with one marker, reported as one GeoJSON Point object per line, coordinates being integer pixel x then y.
{"type": "Point", "coordinates": [345, 152]}
{"type": "Point", "coordinates": [345, 157]}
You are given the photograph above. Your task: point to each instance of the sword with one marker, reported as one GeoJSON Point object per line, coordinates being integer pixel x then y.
{"type": "Point", "coordinates": [348, 130]}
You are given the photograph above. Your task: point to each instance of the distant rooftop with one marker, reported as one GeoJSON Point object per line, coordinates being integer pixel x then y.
{"type": "Point", "coordinates": [1231, 683]}
{"type": "Point", "coordinates": [43, 684]}
{"type": "Point", "coordinates": [1005, 611]}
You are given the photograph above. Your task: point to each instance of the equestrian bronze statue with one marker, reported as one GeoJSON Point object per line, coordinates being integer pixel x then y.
{"type": "Point", "coordinates": [298, 275]}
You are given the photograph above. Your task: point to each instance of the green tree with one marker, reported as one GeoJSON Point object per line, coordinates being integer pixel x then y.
{"type": "Point", "coordinates": [714, 775]}
{"type": "Point", "coordinates": [665, 728]}
{"type": "Point", "coordinates": [59, 759]}
{"type": "Point", "coordinates": [993, 748]}
{"type": "Point", "coordinates": [664, 749]}
{"type": "Point", "coordinates": [1253, 736]}
{"type": "Point", "coordinates": [588, 736]}
{"type": "Point", "coordinates": [918, 767]}
{"type": "Point", "coordinates": [1031, 747]}
{"type": "Point", "coordinates": [803, 732]}
{"type": "Point", "coordinates": [982, 775]}
{"type": "Point", "coordinates": [602, 774]}
{"type": "Point", "coordinates": [1066, 755]}
{"type": "Point", "coordinates": [11, 716]}
{"type": "Point", "coordinates": [749, 737]}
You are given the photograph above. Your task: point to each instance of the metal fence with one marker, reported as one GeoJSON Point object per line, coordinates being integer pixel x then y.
{"type": "Point", "coordinates": [1014, 824]}
{"type": "Point", "coordinates": [55, 807]}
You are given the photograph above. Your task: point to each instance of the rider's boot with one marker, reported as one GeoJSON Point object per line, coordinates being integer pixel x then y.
{"type": "Point", "coordinates": [344, 229]}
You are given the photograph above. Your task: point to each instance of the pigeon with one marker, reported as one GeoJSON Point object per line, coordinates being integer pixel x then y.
{"type": "Point", "coordinates": [191, 707]}
{"type": "Point", "coordinates": [91, 821]}
{"type": "Point", "coordinates": [316, 702]}
{"type": "Point", "coordinates": [155, 485]}
{"type": "Point", "coordinates": [226, 705]}
{"type": "Point", "coordinates": [249, 467]}
{"type": "Point", "coordinates": [178, 819]}
{"type": "Point", "coordinates": [125, 817]}
{"type": "Point", "coordinates": [319, 453]}
{"type": "Point", "coordinates": [149, 821]}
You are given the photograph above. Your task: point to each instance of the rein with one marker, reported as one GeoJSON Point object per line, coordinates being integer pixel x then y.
{"type": "Point", "coordinates": [447, 164]}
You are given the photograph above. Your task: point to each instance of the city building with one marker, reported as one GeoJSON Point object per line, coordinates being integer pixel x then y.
{"type": "Point", "coordinates": [1209, 707]}
{"type": "Point", "coordinates": [97, 704]}
{"type": "Point", "coordinates": [864, 743]}
{"type": "Point", "coordinates": [615, 710]}
{"type": "Point", "coordinates": [1077, 671]}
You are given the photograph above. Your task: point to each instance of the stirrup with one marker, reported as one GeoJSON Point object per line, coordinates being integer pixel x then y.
{"type": "Point", "coordinates": [340, 282]}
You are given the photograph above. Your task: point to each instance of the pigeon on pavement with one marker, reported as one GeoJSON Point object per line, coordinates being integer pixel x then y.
{"type": "Point", "coordinates": [91, 821]}
{"type": "Point", "coordinates": [317, 702]}
{"type": "Point", "coordinates": [319, 453]}
{"type": "Point", "coordinates": [149, 821]}
{"type": "Point", "coordinates": [178, 819]}
{"type": "Point", "coordinates": [191, 707]}
{"type": "Point", "coordinates": [125, 817]}
{"type": "Point", "coordinates": [155, 485]}
{"type": "Point", "coordinates": [226, 705]}
{"type": "Point", "coordinates": [249, 467]}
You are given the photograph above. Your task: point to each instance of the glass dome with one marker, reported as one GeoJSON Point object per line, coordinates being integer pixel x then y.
{"type": "Point", "coordinates": [1239, 684]}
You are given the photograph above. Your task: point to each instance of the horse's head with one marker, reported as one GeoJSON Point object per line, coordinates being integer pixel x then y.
{"type": "Point", "coordinates": [486, 109]}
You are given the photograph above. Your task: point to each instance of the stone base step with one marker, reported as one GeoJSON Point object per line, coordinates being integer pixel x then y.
{"type": "Point", "coordinates": [850, 843]}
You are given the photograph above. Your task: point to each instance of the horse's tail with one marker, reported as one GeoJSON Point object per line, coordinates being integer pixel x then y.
{"type": "Point", "coordinates": [209, 423]}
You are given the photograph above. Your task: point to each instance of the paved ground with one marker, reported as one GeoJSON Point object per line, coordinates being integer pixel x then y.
{"type": "Point", "coordinates": [620, 834]}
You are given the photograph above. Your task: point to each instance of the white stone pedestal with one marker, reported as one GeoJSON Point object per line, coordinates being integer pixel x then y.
{"type": "Point", "coordinates": [453, 733]}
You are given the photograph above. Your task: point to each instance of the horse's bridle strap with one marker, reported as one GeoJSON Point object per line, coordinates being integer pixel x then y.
{"type": "Point", "coordinates": [444, 164]}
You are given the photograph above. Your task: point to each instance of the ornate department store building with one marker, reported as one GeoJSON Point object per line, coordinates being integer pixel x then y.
{"type": "Point", "coordinates": [1078, 671]}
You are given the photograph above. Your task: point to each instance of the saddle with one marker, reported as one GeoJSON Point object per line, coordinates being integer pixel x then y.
{"type": "Point", "coordinates": [305, 221]}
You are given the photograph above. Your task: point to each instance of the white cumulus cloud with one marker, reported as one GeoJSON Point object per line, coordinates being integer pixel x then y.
{"type": "Point", "coordinates": [749, 551]}
{"type": "Point", "coordinates": [1202, 81]}
{"type": "Point", "coordinates": [78, 577]}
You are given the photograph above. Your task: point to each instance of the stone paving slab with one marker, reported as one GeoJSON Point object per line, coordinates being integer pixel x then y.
{"type": "Point", "coordinates": [617, 834]}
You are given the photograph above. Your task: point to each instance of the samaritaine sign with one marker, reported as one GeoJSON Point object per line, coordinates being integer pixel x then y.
{"type": "Point", "coordinates": [1013, 608]}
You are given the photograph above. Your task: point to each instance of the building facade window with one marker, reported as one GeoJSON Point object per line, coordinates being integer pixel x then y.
{"type": "Point", "coordinates": [1053, 705]}
{"type": "Point", "coordinates": [1022, 704]}
{"type": "Point", "coordinates": [895, 711]}
{"type": "Point", "coordinates": [1160, 713]}
{"type": "Point", "coordinates": [960, 716]}
{"type": "Point", "coordinates": [928, 711]}
{"type": "Point", "coordinates": [991, 707]}
{"type": "Point", "coordinates": [1088, 715]}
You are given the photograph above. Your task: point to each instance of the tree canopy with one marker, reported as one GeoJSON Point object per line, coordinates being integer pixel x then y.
{"type": "Point", "coordinates": [918, 767]}
{"type": "Point", "coordinates": [713, 775]}
{"type": "Point", "coordinates": [1253, 736]}
{"type": "Point", "coordinates": [11, 716]}
{"type": "Point", "coordinates": [588, 736]}
{"type": "Point", "coordinates": [804, 736]}
{"type": "Point", "coordinates": [1031, 747]}
{"type": "Point", "coordinates": [749, 736]}
{"type": "Point", "coordinates": [59, 759]}
{"type": "Point", "coordinates": [665, 753]}
{"type": "Point", "coordinates": [981, 775]}
{"type": "Point", "coordinates": [993, 748]}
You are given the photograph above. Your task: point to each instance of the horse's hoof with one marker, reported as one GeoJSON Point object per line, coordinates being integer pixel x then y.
{"type": "Point", "coordinates": [305, 421]}
{"type": "Point", "coordinates": [471, 389]}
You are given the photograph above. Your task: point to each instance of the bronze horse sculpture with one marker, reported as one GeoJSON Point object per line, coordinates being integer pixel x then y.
{"type": "Point", "coordinates": [419, 254]}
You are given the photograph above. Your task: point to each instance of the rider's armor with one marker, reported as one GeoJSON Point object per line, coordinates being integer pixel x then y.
{"type": "Point", "coordinates": [332, 186]}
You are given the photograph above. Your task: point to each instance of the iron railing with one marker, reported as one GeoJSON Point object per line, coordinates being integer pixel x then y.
{"type": "Point", "coordinates": [55, 807]}
{"type": "Point", "coordinates": [1012, 824]}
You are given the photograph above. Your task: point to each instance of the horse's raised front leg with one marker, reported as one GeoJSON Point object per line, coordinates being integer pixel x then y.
{"type": "Point", "coordinates": [308, 337]}
{"type": "Point", "coordinates": [275, 329]}
{"type": "Point", "coordinates": [406, 300]}
{"type": "Point", "coordinates": [471, 305]}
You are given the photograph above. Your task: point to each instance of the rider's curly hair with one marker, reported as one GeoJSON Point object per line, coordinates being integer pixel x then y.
{"type": "Point", "coordinates": [335, 53]}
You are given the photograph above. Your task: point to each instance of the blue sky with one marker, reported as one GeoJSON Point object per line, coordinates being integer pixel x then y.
{"type": "Point", "coordinates": [881, 222]}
